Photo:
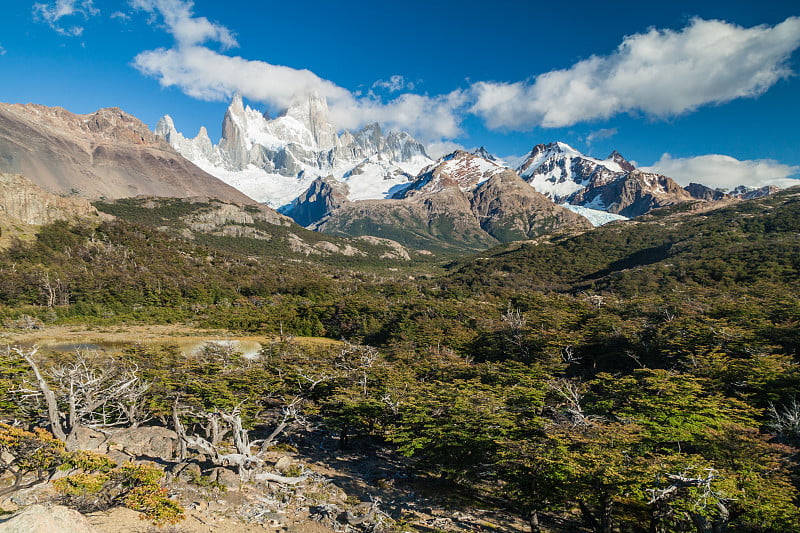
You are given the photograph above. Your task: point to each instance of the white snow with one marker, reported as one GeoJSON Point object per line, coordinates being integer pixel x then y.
{"type": "Point", "coordinates": [596, 217]}
{"type": "Point", "coordinates": [553, 186]}
{"type": "Point", "coordinates": [596, 203]}
{"type": "Point", "coordinates": [272, 189]}
{"type": "Point", "coordinates": [367, 166]}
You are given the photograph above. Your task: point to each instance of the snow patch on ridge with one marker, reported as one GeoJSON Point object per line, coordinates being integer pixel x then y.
{"type": "Point", "coordinates": [596, 217]}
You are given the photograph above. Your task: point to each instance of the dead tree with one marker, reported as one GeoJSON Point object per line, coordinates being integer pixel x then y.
{"type": "Point", "coordinates": [80, 395]}
{"type": "Point", "coordinates": [678, 484]}
{"type": "Point", "coordinates": [572, 397]}
{"type": "Point", "coordinates": [249, 465]}
{"type": "Point", "coordinates": [355, 361]}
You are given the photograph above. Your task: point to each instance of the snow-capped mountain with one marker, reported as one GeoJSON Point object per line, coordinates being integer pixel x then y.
{"type": "Point", "coordinates": [459, 169]}
{"type": "Point", "coordinates": [276, 160]}
{"type": "Point", "coordinates": [613, 184]}
{"type": "Point", "coordinates": [462, 202]}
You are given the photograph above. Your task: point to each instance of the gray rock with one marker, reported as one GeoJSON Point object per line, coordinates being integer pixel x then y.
{"type": "Point", "coordinates": [188, 471]}
{"type": "Point", "coordinates": [225, 477]}
{"type": "Point", "coordinates": [148, 441]}
{"type": "Point", "coordinates": [46, 519]}
{"type": "Point", "coordinates": [283, 464]}
{"type": "Point", "coordinates": [88, 439]}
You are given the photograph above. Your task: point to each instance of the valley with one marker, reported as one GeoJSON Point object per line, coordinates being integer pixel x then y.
{"type": "Point", "coordinates": [463, 352]}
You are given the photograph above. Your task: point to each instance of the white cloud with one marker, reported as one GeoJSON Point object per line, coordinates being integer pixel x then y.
{"type": "Point", "coordinates": [724, 171]}
{"type": "Point", "coordinates": [394, 83]}
{"type": "Point", "coordinates": [187, 29]}
{"type": "Point", "coordinates": [54, 12]}
{"type": "Point", "coordinates": [660, 73]}
{"type": "Point", "coordinates": [440, 148]}
{"type": "Point", "coordinates": [209, 75]}
{"type": "Point", "coordinates": [2, 51]}
{"type": "Point", "coordinates": [119, 15]}
{"type": "Point", "coordinates": [600, 134]}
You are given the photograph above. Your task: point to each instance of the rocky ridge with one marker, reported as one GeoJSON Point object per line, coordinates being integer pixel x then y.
{"type": "Point", "coordinates": [108, 153]}
{"type": "Point", "coordinates": [613, 184]}
{"type": "Point", "coordinates": [24, 201]}
{"type": "Point", "coordinates": [275, 160]}
{"type": "Point", "coordinates": [463, 202]}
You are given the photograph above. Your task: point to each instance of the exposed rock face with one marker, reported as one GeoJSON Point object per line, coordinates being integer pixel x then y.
{"type": "Point", "coordinates": [464, 202]}
{"type": "Point", "coordinates": [146, 441]}
{"type": "Point", "coordinates": [324, 195]}
{"type": "Point", "coordinates": [275, 160]}
{"type": "Point", "coordinates": [103, 154]}
{"type": "Point", "coordinates": [459, 169]}
{"type": "Point", "coordinates": [633, 194]}
{"type": "Point", "coordinates": [22, 200]}
{"type": "Point", "coordinates": [742, 192]}
{"type": "Point", "coordinates": [484, 153]}
{"type": "Point", "coordinates": [46, 519]}
{"type": "Point", "coordinates": [613, 184]}
{"type": "Point", "coordinates": [701, 192]}
{"type": "Point", "coordinates": [509, 209]}
{"type": "Point", "coordinates": [747, 193]}
{"type": "Point", "coordinates": [623, 163]}
{"type": "Point", "coordinates": [232, 219]}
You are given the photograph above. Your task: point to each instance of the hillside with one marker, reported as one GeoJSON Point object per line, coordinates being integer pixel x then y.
{"type": "Point", "coordinates": [551, 382]}
{"type": "Point", "coordinates": [735, 245]}
{"type": "Point", "coordinates": [106, 154]}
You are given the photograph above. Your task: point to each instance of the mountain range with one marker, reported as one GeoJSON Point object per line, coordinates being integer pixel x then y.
{"type": "Point", "coordinates": [366, 182]}
{"type": "Point", "coordinates": [297, 162]}
{"type": "Point", "coordinates": [276, 160]}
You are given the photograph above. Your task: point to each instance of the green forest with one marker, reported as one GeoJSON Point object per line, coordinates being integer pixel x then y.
{"type": "Point", "coordinates": [642, 376]}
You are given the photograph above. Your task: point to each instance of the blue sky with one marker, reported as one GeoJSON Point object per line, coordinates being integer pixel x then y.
{"type": "Point", "coordinates": [706, 89]}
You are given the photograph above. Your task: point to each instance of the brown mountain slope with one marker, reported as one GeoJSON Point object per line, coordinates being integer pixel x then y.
{"type": "Point", "coordinates": [464, 202]}
{"type": "Point", "coordinates": [108, 154]}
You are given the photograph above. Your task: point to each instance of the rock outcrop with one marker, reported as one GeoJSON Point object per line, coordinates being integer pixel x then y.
{"type": "Point", "coordinates": [707, 194]}
{"type": "Point", "coordinates": [633, 194]}
{"type": "Point", "coordinates": [23, 200]}
{"type": "Point", "coordinates": [320, 199]}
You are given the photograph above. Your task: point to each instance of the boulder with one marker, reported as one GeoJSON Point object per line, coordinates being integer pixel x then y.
{"type": "Point", "coordinates": [88, 439]}
{"type": "Point", "coordinates": [150, 441]}
{"type": "Point", "coordinates": [46, 519]}
{"type": "Point", "coordinates": [283, 464]}
{"type": "Point", "coordinates": [227, 478]}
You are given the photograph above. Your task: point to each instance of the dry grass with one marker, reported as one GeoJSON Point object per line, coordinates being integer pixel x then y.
{"type": "Point", "coordinates": [155, 334]}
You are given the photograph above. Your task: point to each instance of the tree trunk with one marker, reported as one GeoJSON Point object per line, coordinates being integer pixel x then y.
{"type": "Point", "coordinates": [588, 516]}
{"type": "Point", "coordinates": [659, 513]}
{"type": "Point", "coordinates": [606, 518]}
{"type": "Point", "coordinates": [180, 430]}
{"type": "Point", "coordinates": [703, 524]}
{"type": "Point", "coordinates": [533, 520]}
{"type": "Point", "coordinates": [53, 413]}
{"type": "Point", "coordinates": [600, 521]}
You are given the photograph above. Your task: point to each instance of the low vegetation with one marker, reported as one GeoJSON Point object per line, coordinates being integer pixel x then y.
{"type": "Point", "coordinates": [638, 377]}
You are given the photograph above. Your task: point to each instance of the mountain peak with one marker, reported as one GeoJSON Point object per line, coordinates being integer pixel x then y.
{"type": "Point", "coordinates": [237, 104]}
{"type": "Point", "coordinates": [311, 110]}
{"type": "Point", "coordinates": [484, 153]}
{"type": "Point", "coordinates": [563, 147]}
{"type": "Point", "coordinates": [617, 158]}
{"type": "Point", "coordinates": [165, 127]}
